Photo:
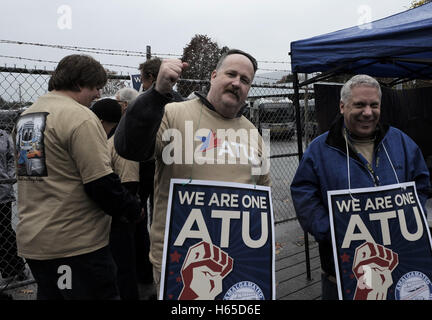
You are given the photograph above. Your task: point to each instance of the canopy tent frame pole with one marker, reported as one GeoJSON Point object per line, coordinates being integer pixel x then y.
{"type": "Point", "coordinates": [399, 81]}
{"type": "Point", "coordinates": [296, 100]}
{"type": "Point", "coordinates": [335, 71]}
{"type": "Point", "coordinates": [413, 72]}
{"type": "Point", "coordinates": [321, 76]}
{"type": "Point", "coordinates": [427, 62]}
{"type": "Point", "coordinates": [339, 69]}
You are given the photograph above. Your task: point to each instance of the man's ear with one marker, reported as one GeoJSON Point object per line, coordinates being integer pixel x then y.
{"type": "Point", "coordinates": [341, 107]}
{"type": "Point", "coordinates": [213, 74]}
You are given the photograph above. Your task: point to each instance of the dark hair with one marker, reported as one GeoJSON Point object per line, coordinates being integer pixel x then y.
{"type": "Point", "coordinates": [107, 110]}
{"type": "Point", "coordinates": [150, 67]}
{"type": "Point", "coordinates": [237, 51]}
{"type": "Point", "coordinates": [77, 71]}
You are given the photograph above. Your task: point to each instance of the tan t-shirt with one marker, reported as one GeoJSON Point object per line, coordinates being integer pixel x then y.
{"type": "Point", "coordinates": [365, 147]}
{"type": "Point", "coordinates": [190, 143]}
{"type": "Point", "coordinates": [61, 145]}
{"type": "Point", "coordinates": [127, 170]}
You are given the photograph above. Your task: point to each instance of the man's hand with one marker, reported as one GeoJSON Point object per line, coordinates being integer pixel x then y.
{"type": "Point", "coordinates": [169, 72]}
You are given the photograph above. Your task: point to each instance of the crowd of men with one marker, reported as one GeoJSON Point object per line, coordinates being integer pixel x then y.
{"type": "Point", "coordinates": [101, 177]}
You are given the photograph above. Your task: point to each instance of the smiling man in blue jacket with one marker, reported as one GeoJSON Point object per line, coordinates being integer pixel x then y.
{"type": "Point", "coordinates": [357, 152]}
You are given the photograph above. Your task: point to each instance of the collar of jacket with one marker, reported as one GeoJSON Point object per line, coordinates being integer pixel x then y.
{"type": "Point", "coordinates": [210, 106]}
{"type": "Point", "coordinates": [337, 140]}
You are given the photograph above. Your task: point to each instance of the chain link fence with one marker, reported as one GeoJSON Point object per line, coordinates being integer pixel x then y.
{"type": "Point", "coordinates": [269, 107]}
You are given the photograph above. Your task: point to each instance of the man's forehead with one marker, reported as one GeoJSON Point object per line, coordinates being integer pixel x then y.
{"type": "Point", "coordinates": [236, 59]}
{"type": "Point", "coordinates": [363, 91]}
{"type": "Point", "coordinates": [364, 87]}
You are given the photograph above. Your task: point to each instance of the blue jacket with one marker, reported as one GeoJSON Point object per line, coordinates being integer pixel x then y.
{"type": "Point", "coordinates": [324, 167]}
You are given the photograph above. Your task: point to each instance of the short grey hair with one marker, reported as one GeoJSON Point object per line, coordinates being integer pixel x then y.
{"type": "Point", "coordinates": [126, 94]}
{"type": "Point", "coordinates": [358, 80]}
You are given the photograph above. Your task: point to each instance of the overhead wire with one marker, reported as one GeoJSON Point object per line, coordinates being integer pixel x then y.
{"type": "Point", "coordinates": [55, 62]}
{"type": "Point", "coordinates": [117, 52]}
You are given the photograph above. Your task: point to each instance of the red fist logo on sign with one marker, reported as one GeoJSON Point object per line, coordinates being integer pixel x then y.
{"type": "Point", "coordinates": [203, 270]}
{"type": "Point", "coordinates": [372, 266]}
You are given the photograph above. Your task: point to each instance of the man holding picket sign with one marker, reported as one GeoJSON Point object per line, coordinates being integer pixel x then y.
{"type": "Point", "coordinates": [216, 221]}
{"type": "Point", "coordinates": [360, 190]}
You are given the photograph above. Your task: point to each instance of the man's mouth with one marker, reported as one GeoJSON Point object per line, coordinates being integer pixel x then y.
{"type": "Point", "coordinates": [366, 121]}
{"type": "Point", "coordinates": [233, 93]}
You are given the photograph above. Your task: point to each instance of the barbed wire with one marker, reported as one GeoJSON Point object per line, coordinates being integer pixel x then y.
{"type": "Point", "coordinates": [263, 69]}
{"type": "Point", "coordinates": [117, 52]}
{"type": "Point", "coordinates": [283, 62]}
{"type": "Point", "coordinates": [28, 59]}
{"type": "Point", "coordinates": [58, 46]}
{"type": "Point", "coordinates": [166, 54]}
{"type": "Point", "coordinates": [266, 78]}
{"type": "Point", "coordinates": [55, 62]}
{"type": "Point", "coordinates": [124, 66]}
{"type": "Point", "coordinates": [91, 49]}
{"type": "Point", "coordinates": [114, 52]}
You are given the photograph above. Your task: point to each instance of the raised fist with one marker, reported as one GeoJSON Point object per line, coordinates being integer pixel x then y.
{"type": "Point", "coordinates": [203, 270]}
{"type": "Point", "coordinates": [169, 72]}
{"type": "Point", "coordinates": [372, 266]}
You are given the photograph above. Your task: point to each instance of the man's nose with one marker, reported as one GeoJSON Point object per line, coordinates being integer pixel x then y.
{"type": "Point", "coordinates": [367, 111]}
{"type": "Point", "coordinates": [236, 82]}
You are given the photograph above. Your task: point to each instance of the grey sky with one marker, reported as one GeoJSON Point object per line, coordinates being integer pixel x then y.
{"type": "Point", "coordinates": [264, 28]}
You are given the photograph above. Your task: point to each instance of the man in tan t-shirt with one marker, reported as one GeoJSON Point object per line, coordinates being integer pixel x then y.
{"type": "Point", "coordinates": [142, 132]}
{"type": "Point", "coordinates": [67, 191]}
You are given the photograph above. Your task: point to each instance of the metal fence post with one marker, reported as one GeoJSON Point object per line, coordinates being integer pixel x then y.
{"type": "Point", "coordinates": [300, 155]}
{"type": "Point", "coordinates": [148, 53]}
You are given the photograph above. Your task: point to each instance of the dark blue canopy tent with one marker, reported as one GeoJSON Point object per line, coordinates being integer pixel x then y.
{"type": "Point", "coordinates": [399, 46]}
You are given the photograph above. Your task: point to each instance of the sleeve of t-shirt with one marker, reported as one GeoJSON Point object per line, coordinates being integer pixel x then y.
{"type": "Point", "coordinates": [127, 170]}
{"type": "Point", "coordinates": [88, 147]}
{"type": "Point", "coordinates": [114, 198]}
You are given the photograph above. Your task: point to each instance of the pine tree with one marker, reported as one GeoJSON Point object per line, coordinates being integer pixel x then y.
{"type": "Point", "coordinates": [202, 55]}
